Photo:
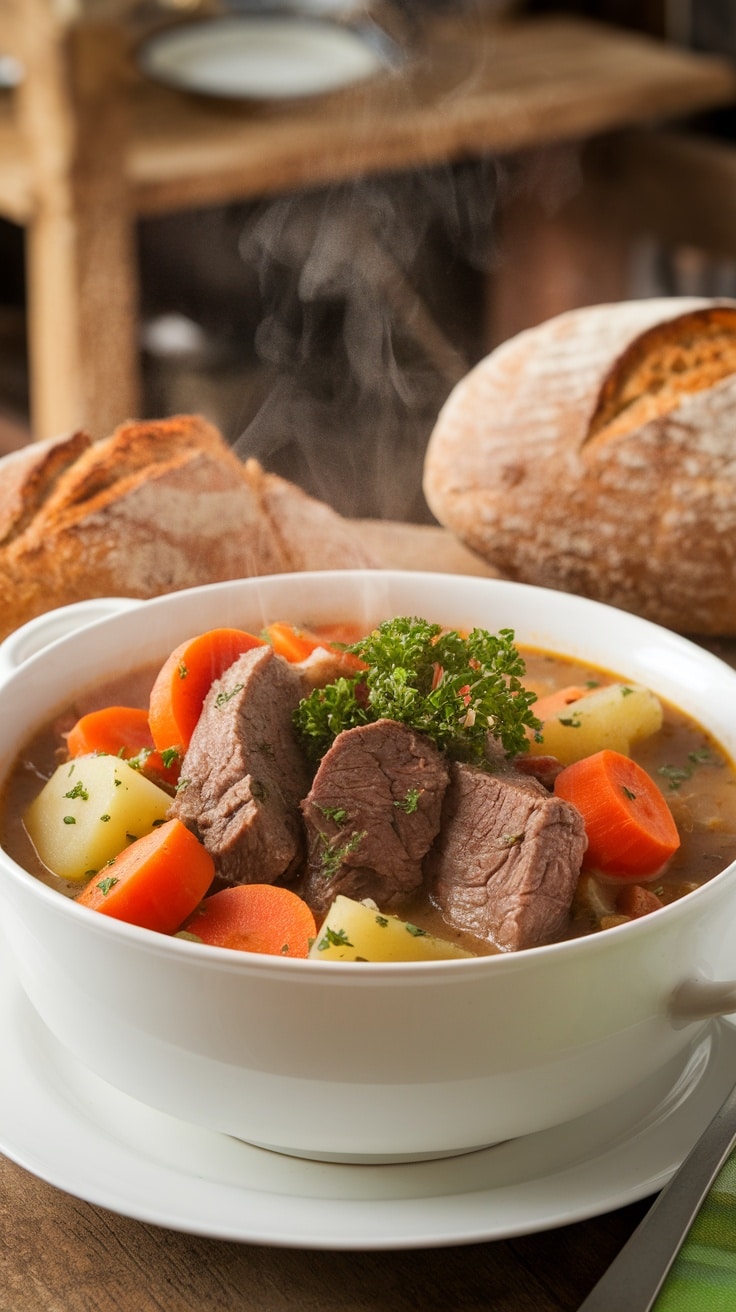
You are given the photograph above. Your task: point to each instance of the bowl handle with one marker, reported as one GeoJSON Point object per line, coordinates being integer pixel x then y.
{"type": "Point", "coordinates": [701, 999]}
{"type": "Point", "coordinates": [38, 633]}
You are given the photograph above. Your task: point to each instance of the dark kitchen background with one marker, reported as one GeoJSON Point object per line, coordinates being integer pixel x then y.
{"type": "Point", "coordinates": [322, 330]}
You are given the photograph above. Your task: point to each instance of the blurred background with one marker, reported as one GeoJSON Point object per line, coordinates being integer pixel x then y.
{"type": "Point", "coordinates": [321, 326]}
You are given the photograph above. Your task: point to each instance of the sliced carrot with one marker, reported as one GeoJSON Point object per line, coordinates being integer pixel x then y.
{"type": "Point", "coordinates": [554, 702]}
{"type": "Point", "coordinates": [255, 918]}
{"type": "Point", "coordinates": [630, 828]}
{"type": "Point", "coordinates": [156, 882]}
{"type": "Point", "coordinates": [184, 680]}
{"type": "Point", "coordinates": [122, 731]}
{"type": "Point", "coordinates": [296, 645]}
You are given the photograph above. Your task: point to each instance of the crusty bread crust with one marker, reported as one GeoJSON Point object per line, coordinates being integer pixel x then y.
{"type": "Point", "coordinates": [155, 507]}
{"type": "Point", "coordinates": [28, 477]}
{"type": "Point", "coordinates": [596, 454]}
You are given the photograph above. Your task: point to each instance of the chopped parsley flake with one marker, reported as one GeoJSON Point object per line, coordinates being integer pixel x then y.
{"type": "Point", "coordinates": [78, 790]}
{"type": "Point", "coordinates": [336, 853]}
{"type": "Point", "coordinates": [169, 755]}
{"type": "Point", "coordinates": [382, 922]}
{"type": "Point", "coordinates": [223, 698]}
{"type": "Point", "coordinates": [70, 820]}
{"type": "Point", "coordinates": [334, 938]}
{"type": "Point", "coordinates": [679, 774]}
{"type": "Point", "coordinates": [628, 793]}
{"type": "Point", "coordinates": [106, 884]}
{"type": "Point", "coordinates": [104, 818]}
{"type": "Point", "coordinates": [336, 813]}
{"type": "Point", "coordinates": [410, 802]}
{"type": "Point", "coordinates": [182, 670]}
{"type": "Point", "coordinates": [414, 930]}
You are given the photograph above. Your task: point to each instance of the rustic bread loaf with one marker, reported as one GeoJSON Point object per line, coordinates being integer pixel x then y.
{"type": "Point", "coordinates": [155, 507]}
{"type": "Point", "coordinates": [596, 454]}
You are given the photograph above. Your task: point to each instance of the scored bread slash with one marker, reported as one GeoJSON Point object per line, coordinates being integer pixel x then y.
{"type": "Point", "coordinates": [594, 454]}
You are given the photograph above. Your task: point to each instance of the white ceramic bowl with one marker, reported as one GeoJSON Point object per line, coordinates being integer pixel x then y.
{"type": "Point", "coordinates": [378, 1062]}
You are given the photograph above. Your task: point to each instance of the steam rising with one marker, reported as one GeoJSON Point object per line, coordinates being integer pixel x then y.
{"type": "Point", "coordinates": [370, 299]}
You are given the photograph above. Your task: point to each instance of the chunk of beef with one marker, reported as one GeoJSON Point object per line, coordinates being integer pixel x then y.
{"type": "Point", "coordinates": [372, 814]}
{"type": "Point", "coordinates": [508, 857]}
{"type": "Point", "coordinates": [245, 774]}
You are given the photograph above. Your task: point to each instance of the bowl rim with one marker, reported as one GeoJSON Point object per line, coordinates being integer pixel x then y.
{"type": "Point", "coordinates": [240, 962]}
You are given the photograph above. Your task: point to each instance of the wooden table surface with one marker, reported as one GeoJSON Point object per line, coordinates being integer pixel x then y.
{"type": "Point", "coordinates": [64, 1255]}
{"type": "Point", "coordinates": [61, 1254]}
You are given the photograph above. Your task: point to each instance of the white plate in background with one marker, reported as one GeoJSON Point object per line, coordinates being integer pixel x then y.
{"type": "Point", "coordinates": [266, 57]}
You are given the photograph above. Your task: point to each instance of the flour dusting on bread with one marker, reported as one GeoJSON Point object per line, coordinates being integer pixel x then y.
{"type": "Point", "coordinates": [596, 454]}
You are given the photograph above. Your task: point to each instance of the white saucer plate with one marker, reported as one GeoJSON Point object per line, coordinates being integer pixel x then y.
{"type": "Point", "coordinates": [68, 1127]}
{"type": "Point", "coordinates": [264, 57]}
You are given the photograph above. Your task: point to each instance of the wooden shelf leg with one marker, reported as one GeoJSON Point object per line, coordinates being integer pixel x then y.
{"type": "Point", "coordinates": [82, 260]}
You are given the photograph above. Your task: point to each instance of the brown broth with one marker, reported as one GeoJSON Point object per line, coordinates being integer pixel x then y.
{"type": "Point", "coordinates": [693, 772]}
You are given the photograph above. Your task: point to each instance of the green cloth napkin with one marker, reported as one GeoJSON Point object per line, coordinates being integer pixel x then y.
{"type": "Point", "coordinates": [703, 1275]}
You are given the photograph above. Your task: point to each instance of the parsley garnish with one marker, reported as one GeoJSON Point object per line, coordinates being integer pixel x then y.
{"type": "Point", "coordinates": [69, 820]}
{"type": "Point", "coordinates": [78, 790]}
{"type": "Point", "coordinates": [223, 698]}
{"type": "Point", "coordinates": [335, 853]}
{"type": "Point", "coordinates": [336, 813]}
{"type": "Point", "coordinates": [457, 690]}
{"type": "Point", "coordinates": [106, 884]}
{"type": "Point", "coordinates": [410, 802]}
{"type": "Point", "coordinates": [679, 774]}
{"type": "Point", "coordinates": [336, 938]}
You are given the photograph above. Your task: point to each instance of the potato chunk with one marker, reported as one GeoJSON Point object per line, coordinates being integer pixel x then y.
{"type": "Point", "coordinates": [357, 931]}
{"type": "Point", "coordinates": [614, 717]}
{"type": "Point", "coordinates": [88, 811]}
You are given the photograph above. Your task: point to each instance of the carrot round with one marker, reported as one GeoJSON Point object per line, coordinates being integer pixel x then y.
{"type": "Point", "coordinates": [156, 882]}
{"type": "Point", "coordinates": [296, 644]}
{"type": "Point", "coordinates": [630, 828]}
{"type": "Point", "coordinates": [554, 702]}
{"type": "Point", "coordinates": [184, 680]}
{"type": "Point", "coordinates": [122, 731]}
{"type": "Point", "coordinates": [255, 918]}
